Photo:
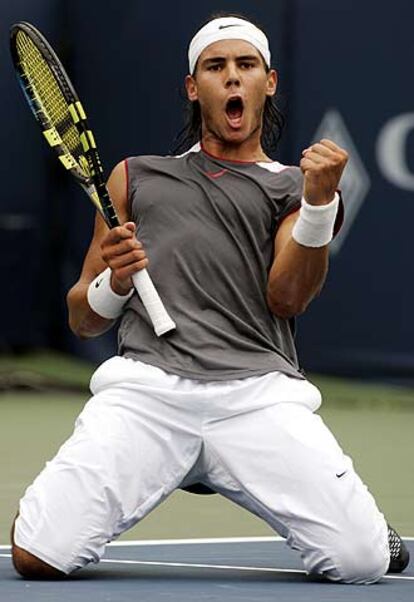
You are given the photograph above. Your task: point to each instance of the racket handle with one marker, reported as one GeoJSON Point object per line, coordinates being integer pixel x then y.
{"type": "Point", "coordinates": [151, 300]}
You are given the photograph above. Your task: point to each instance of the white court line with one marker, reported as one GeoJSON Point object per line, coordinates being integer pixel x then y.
{"type": "Point", "coordinates": [226, 567]}
{"type": "Point", "coordinates": [202, 540]}
{"type": "Point", "coordinates": [193, 565]}
{"type": "Point", "coordinates": [219, 567]}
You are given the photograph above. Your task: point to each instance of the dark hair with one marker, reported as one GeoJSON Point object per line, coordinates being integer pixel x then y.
{"type": "Point", "coordinates": [273, 119]}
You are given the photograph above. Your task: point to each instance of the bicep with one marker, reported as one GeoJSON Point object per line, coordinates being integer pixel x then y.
{"type": "Point", "coordinates": [284, 232]}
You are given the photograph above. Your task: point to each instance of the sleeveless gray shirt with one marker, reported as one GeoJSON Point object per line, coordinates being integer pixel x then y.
{"type": "Point", "coordinates": [208, 228]}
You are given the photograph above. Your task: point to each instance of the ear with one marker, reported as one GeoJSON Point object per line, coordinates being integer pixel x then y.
{"type": "Point", "coordinates": [271, 85]}
{"type": "Point", "coordinates": [191, 87]}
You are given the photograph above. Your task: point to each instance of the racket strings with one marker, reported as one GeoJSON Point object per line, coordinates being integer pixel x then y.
{"type": "Point", "coordinates": [42, 86]}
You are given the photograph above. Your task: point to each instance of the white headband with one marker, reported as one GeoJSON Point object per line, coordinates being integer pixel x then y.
{"type": "Point", "coordinates": [227, 28]}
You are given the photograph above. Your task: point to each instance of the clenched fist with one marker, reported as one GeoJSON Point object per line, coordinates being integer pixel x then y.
{"type": "Point", "coordinates": [322, 165]}
{"type": "Point", "coordinates": [125, 255]}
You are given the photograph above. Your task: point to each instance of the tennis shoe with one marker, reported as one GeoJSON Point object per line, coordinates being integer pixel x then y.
{"type": "Point", "coordinates": [399, 555]}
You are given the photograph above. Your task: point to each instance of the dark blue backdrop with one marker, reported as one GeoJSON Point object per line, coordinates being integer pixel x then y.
{"type": "Point", "coordinates": [352, 67]}
{"type": "Point", "coordinates": [345, 72]}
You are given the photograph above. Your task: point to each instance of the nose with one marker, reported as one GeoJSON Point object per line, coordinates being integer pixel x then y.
{"type": "Point", "coordinates": [232, 76]}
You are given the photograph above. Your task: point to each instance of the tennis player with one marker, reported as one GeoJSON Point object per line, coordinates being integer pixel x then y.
{"type": "Point", "coordinates": [237, 245]}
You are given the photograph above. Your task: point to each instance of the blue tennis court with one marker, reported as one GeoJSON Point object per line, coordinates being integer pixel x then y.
{"type": "Point", "coordinates": [254, 569]}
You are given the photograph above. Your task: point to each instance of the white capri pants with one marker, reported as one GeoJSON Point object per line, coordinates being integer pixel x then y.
{"type": "Point", "coordinates": [255, 440]}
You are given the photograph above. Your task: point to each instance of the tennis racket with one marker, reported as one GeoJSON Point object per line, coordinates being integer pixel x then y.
{"type": "Point", "coordinates": [60, 114]}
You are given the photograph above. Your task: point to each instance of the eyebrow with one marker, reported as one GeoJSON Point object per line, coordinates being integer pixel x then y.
{"type": "Point", "coordinates": [222, 59]}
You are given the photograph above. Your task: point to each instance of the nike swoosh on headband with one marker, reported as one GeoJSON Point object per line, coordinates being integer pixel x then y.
{"type": "Point", "coordinates": [215, 31]}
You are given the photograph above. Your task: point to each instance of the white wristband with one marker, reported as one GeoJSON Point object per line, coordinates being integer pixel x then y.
{"type": "Point", "coordinates": [315, 224]}
{"type": "Point", "coordinates": [103, 300]}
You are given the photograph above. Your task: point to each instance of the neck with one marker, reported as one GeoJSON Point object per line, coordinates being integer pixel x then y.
{"type": "Point", "coordinates": [249, 150]}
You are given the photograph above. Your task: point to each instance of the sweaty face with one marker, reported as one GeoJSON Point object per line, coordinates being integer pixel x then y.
{"type": "Point", "coordinates": [231, 85]}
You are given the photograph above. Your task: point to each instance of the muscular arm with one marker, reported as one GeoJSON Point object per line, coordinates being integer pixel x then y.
{"type": "Point", "coordinates": [298, 272]}
{"type": "Point", "coordinates": [117, 248]}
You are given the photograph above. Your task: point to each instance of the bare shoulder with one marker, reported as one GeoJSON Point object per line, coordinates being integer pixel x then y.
{"type": "Point", "coordinates": [118, 190]}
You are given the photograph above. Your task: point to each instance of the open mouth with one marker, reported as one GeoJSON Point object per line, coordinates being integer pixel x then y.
{"type": "Point", "coordinates": [234, 110]}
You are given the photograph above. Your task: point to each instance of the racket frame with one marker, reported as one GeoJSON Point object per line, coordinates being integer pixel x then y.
{"type": "Point", "coordinates": [93, 183]}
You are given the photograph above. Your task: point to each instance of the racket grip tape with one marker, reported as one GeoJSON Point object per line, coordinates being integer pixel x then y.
{"type": "Point", "coordinates": [151, 300]}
